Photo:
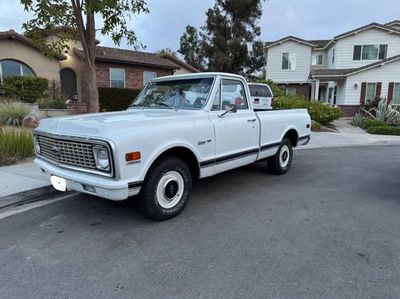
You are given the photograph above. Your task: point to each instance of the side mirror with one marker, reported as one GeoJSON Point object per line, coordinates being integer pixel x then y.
{"type": "Point", "coordinates": [232, 109]}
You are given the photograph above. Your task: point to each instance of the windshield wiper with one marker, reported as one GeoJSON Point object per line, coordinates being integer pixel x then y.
{"type": "Point", "coordinates": [166, 105]}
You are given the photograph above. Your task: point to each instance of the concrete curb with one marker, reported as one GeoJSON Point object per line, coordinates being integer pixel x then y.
{"type": "Point", "coordinates": [29, 196]}
{"type": "Point", "coordinates": [316, 146]}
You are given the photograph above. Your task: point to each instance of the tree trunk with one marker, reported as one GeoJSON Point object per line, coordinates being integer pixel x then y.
{"type": "Point", "coordinates": [88, 39]}
{"type": "Point", "coordinates": [89, 86]}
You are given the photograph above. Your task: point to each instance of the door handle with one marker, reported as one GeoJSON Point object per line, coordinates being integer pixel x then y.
{"type": "Point", "coordinates": [252, 120]}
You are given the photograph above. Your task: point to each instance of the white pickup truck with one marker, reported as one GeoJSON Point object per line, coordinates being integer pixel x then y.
{"type": "Point", "coordinates": [178, 129]}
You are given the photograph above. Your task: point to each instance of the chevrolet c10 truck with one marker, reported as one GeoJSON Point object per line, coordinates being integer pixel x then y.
{"type": "Point", "coordinates": [178, 129]}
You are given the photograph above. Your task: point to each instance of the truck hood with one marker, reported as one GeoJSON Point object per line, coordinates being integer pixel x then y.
{"type": "Point", "coordinates": [114, 123]}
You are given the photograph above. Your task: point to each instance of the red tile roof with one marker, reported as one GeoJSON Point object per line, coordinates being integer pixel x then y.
{"type": "Point", "coordinates": [179, 62]}
{"type": "Point", "coordinates": [130, 57]}
{"type": "Point", "coordinates": [13, 35]}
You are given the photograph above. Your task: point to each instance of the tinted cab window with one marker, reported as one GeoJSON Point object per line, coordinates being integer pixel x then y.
{"type": "Point", "coordinates": [259, 91]}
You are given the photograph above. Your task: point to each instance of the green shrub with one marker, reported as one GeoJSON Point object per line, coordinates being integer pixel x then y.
{"type": "Point", "coordinates": [25, 89]}
{"type": "Point", "coordinates": [387, 130]}
{"type": "Point", "coordinates": [384, 112]}
{"type": "Point", "coordinates": [368, 123]}
{"type": "Point", "coordinates": [358, 119]}
{"type": "Point", "coordinates": [51, 104]}
{"type": "Point", "coordinates": [371, 104]}
{"type": "Point", "coordinates": [12, 112]}
{"type": "Point", "coordinates": [15, 145]}
{"type": "Point", "coordinates": [55, 97]}
{"type": "Point", "coordinates": [322, 113]}
{"type": "Point", "coordinates": [116, 99]}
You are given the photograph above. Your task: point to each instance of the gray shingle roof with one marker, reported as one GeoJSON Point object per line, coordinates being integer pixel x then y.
{"type": "Point", "coordinates": [345, 72]}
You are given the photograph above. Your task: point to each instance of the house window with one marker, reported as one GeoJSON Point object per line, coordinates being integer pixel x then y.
{"type": "Point", "coordinates": [288, 61]}
{"type": "Point", "coordinates": [396, 94]}
{"type": "Point", "coordinates": [333, 56]}
{"type": "Point", "coordinates": [370, 52]}
{"type": "Point", "coordinates": [147, 76]}
{"type": "Point", "coordinates": [370, 92]}
{"type": "Point", "coordinates": [10, 67]}
{"type": "Point", "coordinates": [290, 91]}
{"type": "Point", "coordinates": [318, 59]}
{"type": "Point", "coordinates": [117, 78]}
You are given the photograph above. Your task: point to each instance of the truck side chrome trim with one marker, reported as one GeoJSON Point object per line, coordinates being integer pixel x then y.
{"type": "Point", "coordinates": [269, 146]}
{"type": "Point", "coordinates": [229, 158]}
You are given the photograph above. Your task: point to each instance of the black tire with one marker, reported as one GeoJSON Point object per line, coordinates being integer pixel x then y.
{"type": "Point", "coordinates": [285, 152]}
{"type": "Point", "coordinates": [151, 203]}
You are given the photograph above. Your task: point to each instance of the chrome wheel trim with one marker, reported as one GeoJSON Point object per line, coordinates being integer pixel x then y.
{"type": "Point", "coordinates": [174, 180]}
{"type": "Point", "coordinates": [284, 156]}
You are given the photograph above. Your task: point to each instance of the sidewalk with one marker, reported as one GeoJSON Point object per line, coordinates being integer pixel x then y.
{"type": "Point", "coordinates": [20, 178]}
{"type": "Point", "coordinates": [348, 135]}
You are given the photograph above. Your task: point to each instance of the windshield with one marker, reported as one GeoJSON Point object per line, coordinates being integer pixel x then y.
{"type": "Point", "coordinates": [187, 94]}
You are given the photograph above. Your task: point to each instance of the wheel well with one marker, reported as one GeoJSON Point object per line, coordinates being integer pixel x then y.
{"type": "Point", "coordinates": [292, 136]}
{"type": "Point", "coordinates": [186, 156]}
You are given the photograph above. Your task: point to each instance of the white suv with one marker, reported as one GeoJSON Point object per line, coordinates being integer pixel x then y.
{"type": "Point", "coordinates": [261, 96]}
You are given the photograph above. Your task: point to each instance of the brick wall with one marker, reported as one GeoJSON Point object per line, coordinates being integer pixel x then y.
{"type": "Point", "coordinates": [349, 110]}
{"type": "Point", "coordinates": [133, 74]}
{"type": "Point", "coordinates": [301, 89]}
{"type": "Point", "coordinates": [76, 108]}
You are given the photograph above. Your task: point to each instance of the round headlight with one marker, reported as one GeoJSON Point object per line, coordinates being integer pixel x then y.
{"type": "Point", "coordinates": [102, 159]}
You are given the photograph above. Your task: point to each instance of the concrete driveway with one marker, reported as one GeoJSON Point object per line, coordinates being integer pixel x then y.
{"type": "Point", "coordinates": [327, 229]}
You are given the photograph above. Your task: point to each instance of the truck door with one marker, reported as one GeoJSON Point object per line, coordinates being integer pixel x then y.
{"type": "Point", "coordinates": [236, 134]}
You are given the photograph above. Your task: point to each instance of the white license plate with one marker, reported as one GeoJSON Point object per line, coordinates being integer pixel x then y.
{"type": "Point", "coordinates": [58, 183]}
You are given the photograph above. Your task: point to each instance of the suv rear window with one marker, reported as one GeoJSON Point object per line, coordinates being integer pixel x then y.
{"type": "Point", "coordinates": [259, 91]}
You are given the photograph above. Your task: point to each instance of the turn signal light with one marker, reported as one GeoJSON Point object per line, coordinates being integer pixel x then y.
{"type": "Point", "coordinates": [132, 156]}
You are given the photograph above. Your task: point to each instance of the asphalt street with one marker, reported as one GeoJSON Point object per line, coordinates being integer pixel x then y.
{"type": "Point", "coordinates": [330, 228]}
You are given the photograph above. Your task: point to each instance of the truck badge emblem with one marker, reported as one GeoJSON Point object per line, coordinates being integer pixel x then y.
{"type": "Point", "coordinates": [56, 150]}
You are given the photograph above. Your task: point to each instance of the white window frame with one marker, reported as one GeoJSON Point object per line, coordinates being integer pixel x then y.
{"type": "Point", "coordinates": [292, 61]}
{"type": "Point", "coordinates": [291, 93]}
{"type": "Point", "coordinates": [315, 59]}
{"type": "Point", "coordinates": [144, 72]}
{"type": "Point", "coordinates": [394, 94]}
{"type": "Point", "coordinates": [115, 68]}
{"type": "Point", "coordinates": [366, 91]}
{"type": "Point", "coordinates": [362, 50]}
{"type": "Point", "coordinates": [20, 69]}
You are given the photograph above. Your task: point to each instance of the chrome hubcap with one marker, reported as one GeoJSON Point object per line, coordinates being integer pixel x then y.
{"type": "Point", "coordinates": [170, 189]}
{"type": "Point", "coordinates": [284, 156]}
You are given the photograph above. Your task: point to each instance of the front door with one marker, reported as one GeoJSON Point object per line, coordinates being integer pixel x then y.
{"type": "Point", "coordinates": [236, 134]}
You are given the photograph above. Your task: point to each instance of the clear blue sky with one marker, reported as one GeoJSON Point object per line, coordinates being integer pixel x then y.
{"type": "Point", "coordinates": [309, 19]}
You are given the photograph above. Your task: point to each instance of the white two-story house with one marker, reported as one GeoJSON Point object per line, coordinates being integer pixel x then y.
{"type": "Point", "coordinates": [348, 70]}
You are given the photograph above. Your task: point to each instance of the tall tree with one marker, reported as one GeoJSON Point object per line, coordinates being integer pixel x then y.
{"type": "Point", "coordinates": [257, 59]}
{"type": "Point", "coordinates": [228, 37]}
{"type": "Point", "coordinates": [80, 16]}
{"type": "Point", "coordinates": [191, 47]}
{"type": "Point", "coordinates": [167, 51]}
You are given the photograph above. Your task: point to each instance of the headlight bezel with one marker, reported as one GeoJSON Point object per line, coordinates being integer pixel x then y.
{"type": "Point", "coordinates": [36, 145]}
{"type": "Point", "coordinates": [97, 150]}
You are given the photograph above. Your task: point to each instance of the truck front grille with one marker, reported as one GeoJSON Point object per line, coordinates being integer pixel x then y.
{"type": "Point", "coordinates": [66, 152]}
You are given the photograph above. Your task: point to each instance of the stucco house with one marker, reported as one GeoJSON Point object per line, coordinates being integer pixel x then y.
{"type": "Point", "coordinates": [114, 67]}
{"type": "Point", "coordinates": [347, 70]}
